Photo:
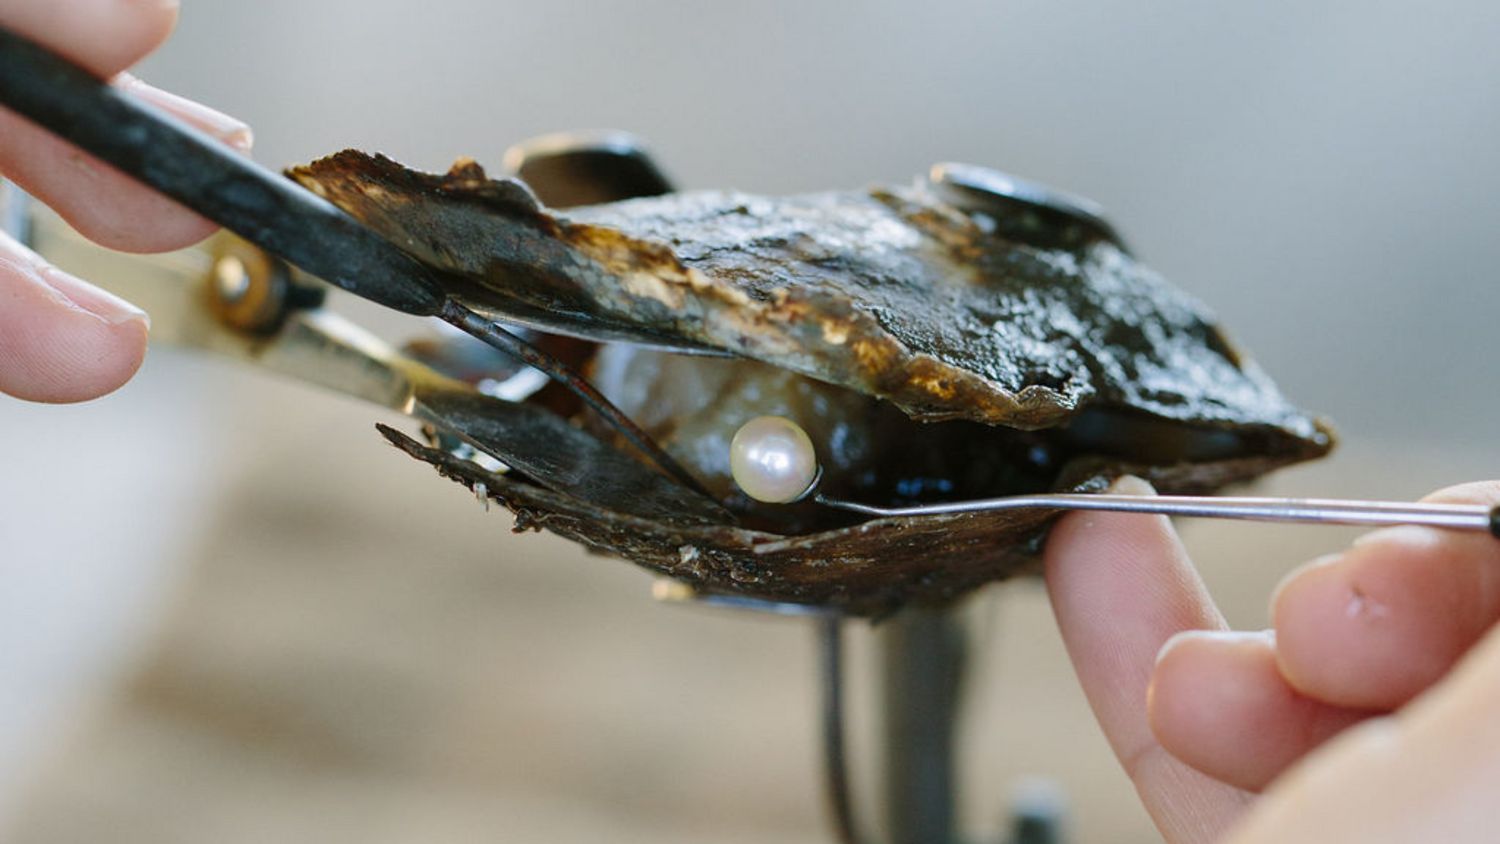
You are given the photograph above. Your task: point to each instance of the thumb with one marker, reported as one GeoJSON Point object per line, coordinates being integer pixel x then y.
{"type": "Point", "coordinates": [62, 340]}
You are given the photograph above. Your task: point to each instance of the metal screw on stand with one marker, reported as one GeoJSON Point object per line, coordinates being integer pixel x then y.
{"type": "Point", "coordinates": [1037, 811]}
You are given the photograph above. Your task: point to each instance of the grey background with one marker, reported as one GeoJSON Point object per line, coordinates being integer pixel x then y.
{"type": "Point", "coordinates": [1323, 174]}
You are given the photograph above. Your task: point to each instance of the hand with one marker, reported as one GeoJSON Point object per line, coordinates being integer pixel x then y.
{"type": "Point", "coordinates": [62, 340]}
{"type": "Point", "coordinates": [1369, 713]}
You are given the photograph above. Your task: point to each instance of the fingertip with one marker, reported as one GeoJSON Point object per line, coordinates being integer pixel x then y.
{"type": "Point", "coordinates": [1100, 565]}
{"type": "Point", "coordinates": [105, 36]}
{"type": "Point", "coordinates": [62, 340]}
{"type": "Point", "coordinates": [1218, 703]}
{"type": "Point", "coordinates": [1081, 536]}
{"type": "Point", "coordinates": [94, 359]}
{"type": "Point", "coordinates": [1474, 492]}
{"type": "Point", "coordinates": [1206, 700]}
{"type": "Point", "coordinates": [228, 129]}
{"type": "Point", "coordinates": [1191, 654]}
{"type": "Point", "coordinates": [1187, 641]}
{"type": "Point", "coordinates": [103, 359]}
{"type": "Point", "coordinates": [101, 202]}
{"type": "Point", "coordinates": [133, 219]}
{"type": "Point", "coordinates": [1132, 485]}
{"type": "Point", "coordinates": [1373, 627]}
{"type": "Point", "coordinates": [1292, 576]}
{"type": "Point", "coordinates": [1321, 610]}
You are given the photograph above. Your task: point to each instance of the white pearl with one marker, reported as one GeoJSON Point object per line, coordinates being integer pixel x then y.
{"type": "Point", "coordinates": [772, 460]}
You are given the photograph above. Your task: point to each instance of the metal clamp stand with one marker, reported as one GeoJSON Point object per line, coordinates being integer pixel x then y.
{"type": "Point", "coordinates": [924, 654]}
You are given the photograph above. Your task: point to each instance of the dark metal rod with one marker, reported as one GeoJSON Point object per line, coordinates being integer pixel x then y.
{"type": "Point", "coordinates": [924, 655]}
{"type": "Point", "coordinates": [835, 756]}
{"type": "Point", "coordinates": [207, 176]}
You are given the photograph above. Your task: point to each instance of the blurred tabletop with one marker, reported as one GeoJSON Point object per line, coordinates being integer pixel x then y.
{"type": "Point", "coordinates": [316, 638]}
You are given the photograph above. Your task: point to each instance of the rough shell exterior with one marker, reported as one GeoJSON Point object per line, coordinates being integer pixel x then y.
{"type": "Point", "coordinates": [888, 292]}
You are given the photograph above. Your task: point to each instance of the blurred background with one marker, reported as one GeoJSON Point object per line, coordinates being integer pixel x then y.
{"type": "Point", "coordinates": [229, 612]}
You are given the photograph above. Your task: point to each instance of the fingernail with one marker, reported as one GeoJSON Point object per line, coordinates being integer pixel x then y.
{"type": "Point", "coordinates": [1417, 535]}
{"type": "Point", "coordinates": [101, 303]}
{"type": "Point", "coordinates": [1320, 562]}
{"type": "Point", "coordinates": [232, 131]}
{"type": "Point", "coordinates": [1231, 638]}
{"type": "Point", "coordinates": [1176, 639]}
{"type": "Point", "coordinates": [1131, 485]}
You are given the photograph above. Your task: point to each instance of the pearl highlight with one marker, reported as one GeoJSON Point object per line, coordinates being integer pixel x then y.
{"type": "Point", "coordinates": [772, 460]}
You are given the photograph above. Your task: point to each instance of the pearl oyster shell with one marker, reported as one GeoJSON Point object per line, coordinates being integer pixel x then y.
{"type": "Point", "coordinates": [892, 293]}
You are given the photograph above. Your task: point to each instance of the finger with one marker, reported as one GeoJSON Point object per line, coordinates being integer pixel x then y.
{"type": "Point", "coordinates": [60, 339]}
{"type": "Point", "coordinates": [1219, 703]}
{"type": "Point", "coordinates": [1429, 773]}
{"type": "Point", "coordinates": [1376, 625]}
{"type": "Point", "coordinates": [106, 36]}
{"type": "Point", "coordinates": [1121, 586]}
{"type": "Point", "coordinates": [104, 204]}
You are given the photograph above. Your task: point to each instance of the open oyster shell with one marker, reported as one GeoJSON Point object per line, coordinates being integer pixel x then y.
{"type": "Point", "coordinates": [1064, 348]}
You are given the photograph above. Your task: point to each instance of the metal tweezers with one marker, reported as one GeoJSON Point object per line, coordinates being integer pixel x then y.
{"type": "Point", "coordinates": [254, 312]}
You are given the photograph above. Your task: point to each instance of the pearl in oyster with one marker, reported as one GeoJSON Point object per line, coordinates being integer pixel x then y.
{"type": "Point", "coordinates": [772, 460]}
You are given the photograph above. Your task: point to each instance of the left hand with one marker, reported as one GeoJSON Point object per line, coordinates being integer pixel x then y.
{"type": "Point", "coordinates": [61, 339]}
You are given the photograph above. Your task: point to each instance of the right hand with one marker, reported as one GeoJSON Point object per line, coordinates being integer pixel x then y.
{"type": "Point", "coordinates": [1368, 714]}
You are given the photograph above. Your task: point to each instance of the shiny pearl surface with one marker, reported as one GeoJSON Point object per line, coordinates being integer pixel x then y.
{"type": "Point", "coordinates": [772, 460]}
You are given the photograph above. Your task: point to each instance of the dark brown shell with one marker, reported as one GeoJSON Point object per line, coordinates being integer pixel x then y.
{"type": "Point", "coordinates": [867, 568]}
{"type": "Point", "coordinates": [889, 292]}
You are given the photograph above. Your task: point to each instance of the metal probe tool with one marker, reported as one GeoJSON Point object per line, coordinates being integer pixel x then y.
{"type": "Point", "coordinates": [774, 461]}
{"type": "Point", "coordinates": [1325, 511]}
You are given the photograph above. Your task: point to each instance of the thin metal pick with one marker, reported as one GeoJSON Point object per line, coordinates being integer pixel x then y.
{"type": "Point", "coordinates": [1324, 511]}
